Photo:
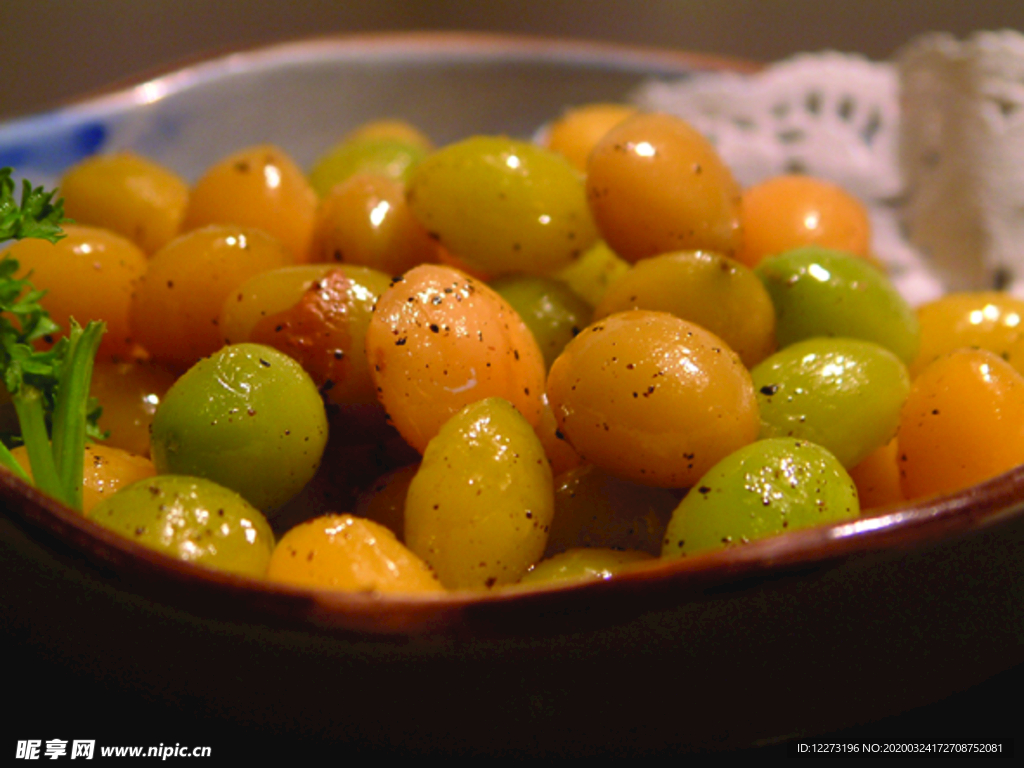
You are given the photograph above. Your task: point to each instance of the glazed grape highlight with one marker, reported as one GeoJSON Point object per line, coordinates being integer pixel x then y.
{"type": "Point", "coordinates": [418, 369]}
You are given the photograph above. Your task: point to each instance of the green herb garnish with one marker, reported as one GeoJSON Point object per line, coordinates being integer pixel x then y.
{"type": "Point", "coordinates": [50, 390]}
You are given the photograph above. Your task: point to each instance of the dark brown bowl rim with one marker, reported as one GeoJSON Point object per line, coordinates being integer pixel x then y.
{"type": "Point", "coordinates": [656, 585]}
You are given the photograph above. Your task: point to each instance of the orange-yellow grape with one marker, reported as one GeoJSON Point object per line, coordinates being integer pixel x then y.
{"type": "Point", "coordinates": [652, 398]}
{"type": "Point", "coordinates": [129, 394]}
{"type": "Point", "coordinates": [175, 310]}
{"type": "Point", "coordinates": [787, 212]}
{"type": "Point", "coordinates": [135, 197]}
{"type": "Point", "coordinates": [656, 185]}
{"type": "Point", "coordinates": [962, 423]}
{"type": "Point", "coordinates": [878, 478]}
{"type": "Point", "coordinates": [440, 340]}
{"type": "Point", "coordinates": [576, 132]}
{"type": "Point", "coordinates": [987, 319]}
{"type": "Point", "coordinates": [397, 130]}
{"type": "Point", "coordinates": [365, 220]}
{"type": "Point", "coordinates": [105, 471]}
{"type": "Point", "coordinates": [348, 553]}
{"type": "Point", "coordinates": [259, 187]}
{"type": "Point", "coordinates": [715, 292]}
{"type": "Point", "coordinates": [480, 506]}
{"type": "Point", "coordinates": [561, 455]}
{"type": "Point", "coordinates": [317, 314]}
{"type": "Point", "coordinates": [384, 501]}
{"type": "Point", "coordinates": [88, 275]}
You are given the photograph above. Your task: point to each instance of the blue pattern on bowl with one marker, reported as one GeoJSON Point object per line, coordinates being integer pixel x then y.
{"type": "Point", "coordinates": [50, 153]}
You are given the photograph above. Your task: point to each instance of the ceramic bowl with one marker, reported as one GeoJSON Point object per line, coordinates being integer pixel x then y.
{"type": "Point", "coordinates": [797, 635]}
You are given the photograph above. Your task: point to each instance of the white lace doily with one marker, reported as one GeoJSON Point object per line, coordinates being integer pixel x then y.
{"type": "Point", "coordinates": [933, 144]}
{"type": "Point", "coordinates": [962, 156]}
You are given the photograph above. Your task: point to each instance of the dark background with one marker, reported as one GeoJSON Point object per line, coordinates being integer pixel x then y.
{"type": "Point", "coordinates": [55, 50]}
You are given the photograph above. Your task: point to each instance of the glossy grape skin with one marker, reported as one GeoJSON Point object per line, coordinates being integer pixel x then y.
{"type": "Point", "coordinates": [577, 132]}
{"type": "Point", "coordinates": [843, 394]}
{"type": "Point", "coordinates": [259, 187]}
{"type": "Point", "coordinates": [365, 220]}
{"type": "Point", "coordinates": [877, 478]}
{"type": "Point", "coordinates": [985, 319]}
{"type": "Point", "coordinates": [787, 212]}
{"type": "Point", "coordinates": [316, 313]}
{"type": "Point", "coordinates": [552, 312]}
{"type": "Point", "coordinates": [652, 398]}
{"type": "Point", "coordinates": [821, 292]}
{"type": "Point", "coordinates": [127, 194]}
{"type": "Point", "coordinates": [596, 509]}
{"type": "Point", "coordinates": [249, 418]}
{"type": "Point", "coordinates": [90, 274]}
{"type": "Point", "coordinates": [479, 509]}
{"type": "Point", "coordinates": [962, 424]}
{"type": "Point", "coordinates": [192, 519]}
{"type": "Point", "coordinates": [175, 310]}
{"type": "Point", "coordinates": [590, 276]}
{"type": "Point", "coordinates": [448, 259]}
{"type": "Point", "coordinates": [583, 565]}
{"type": "Point", "coordinates": [766, 488]}
{"type": "Point", "coordinates": [656, 185]}
{"type": "Point", "coordinates": [711, 290]}
{"type": "Point", "coordinates": [561, 455]}
{"type": "Point", "coordinates": [440, 340]}
{"type": "Point", "coordinates": [503, 205]}
{"type": "Point", "coordinates": [129, 394]}
{"type": "Point", "coordinates": [349, 553]}
{"type": "Point", "coordinates": [105, 470]}
{"type": "Point", "coordinates": [382, 155]}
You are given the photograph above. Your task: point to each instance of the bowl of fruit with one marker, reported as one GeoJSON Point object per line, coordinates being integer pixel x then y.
{"type": "Point", "coordinates": [421, 391]}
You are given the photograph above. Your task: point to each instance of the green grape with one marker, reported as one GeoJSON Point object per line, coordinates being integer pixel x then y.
{"type": "Point", "coordinates": [582, 564]}
{"type": "Point", "coordinates": [247, 417]}
{"type": "Point", "coordinates": [388, 157]}
{"type": "Point", "coordinates": [192, 519]}
{"type": "Point", "coordinates": [766, 488]}
{"type": "Point", "coordinates": [706, 288]}
{"type": "Point", "coordinates": [552, 312]}
{"type": "Point", "coordinates": [598, 268]}
{"type": "Point", "coordinates": [479, 509]}
{"type": "Point", "coordinates": [821, 292]}
{"type": "Point", "coordinates": [503, 206]}
{"type": "Point", "coordinates": [844, 394]}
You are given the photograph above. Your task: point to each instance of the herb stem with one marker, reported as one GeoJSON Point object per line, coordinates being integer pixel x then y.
{"type": "Point", "coordinates": [71, 409]}
{"type": "Point", "coordinates": [28, 402]}
{"type": "Point", "coordinates": [7, 460]}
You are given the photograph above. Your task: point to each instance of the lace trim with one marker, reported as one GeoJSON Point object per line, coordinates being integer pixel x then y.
{"type": "Point", "coordinates": [933, 143]}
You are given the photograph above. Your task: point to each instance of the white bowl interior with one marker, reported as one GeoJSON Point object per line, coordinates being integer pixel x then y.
{"type": "Point", "coordinates": [305, 96]}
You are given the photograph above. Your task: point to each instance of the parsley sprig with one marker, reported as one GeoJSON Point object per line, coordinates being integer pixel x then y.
{"type": "Point", "coordinates": [49, 389]}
